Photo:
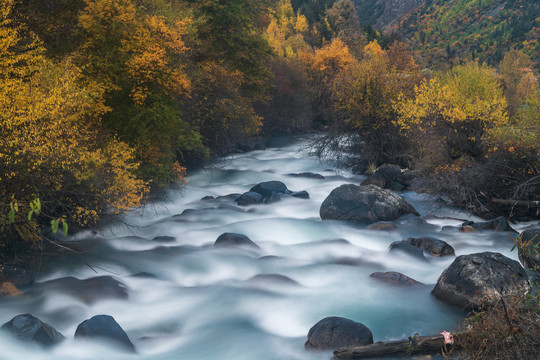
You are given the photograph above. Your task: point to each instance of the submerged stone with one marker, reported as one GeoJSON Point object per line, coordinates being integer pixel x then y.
{"type": "Point", "coordinates": [104, 327]}
{"type": "Point", "coordinates": [27, 327]}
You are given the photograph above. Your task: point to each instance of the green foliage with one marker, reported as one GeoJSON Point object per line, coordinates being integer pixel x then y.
{"type": "Point", "coordinates": [226, 32]}
{"type": "Point", "coordinates": [473, 29]}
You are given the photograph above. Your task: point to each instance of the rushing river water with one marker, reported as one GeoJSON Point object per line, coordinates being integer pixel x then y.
{"type": "Point", "coordinates": [204, 302]}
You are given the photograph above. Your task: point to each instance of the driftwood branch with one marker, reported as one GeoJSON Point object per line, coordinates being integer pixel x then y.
{"type": "Point", "coordinates": [421, 345]}
{"type": "Point", "coordinates": [528, 203]}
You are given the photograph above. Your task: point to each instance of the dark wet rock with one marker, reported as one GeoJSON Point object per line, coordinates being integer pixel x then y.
{"type": "Point", "coordinates": [378, 181]}
{"type": "Point", "coordinates": [164, 239]}
{"type": "Point", "coordinates": [432, 246]}
{"type": "Point", "coordinates": [364, 203]}
{"type": "Point", "coordinates": [308, 175]}
{"type": "Point", "coordinates": [406, 248]}
{"type": "Point", "coordinates": [498, 224]}
{"type": "Point", "coordinates": [234, 239]}
{"type": "Point", "coordinates": [389, 177]}
{"type": "Point", "coordinates": [104, 327]}
{"type": "Point", "coordinates": [16, 275]}
{"type": "Point", "coordinates": [249, 198]}
{"type": "Point", "coordinates": [274, 198]}
{"type": "Point", "coordinates": [274, 279]}
{"type": "Point", "coordinates": [235, 208]}
{"type": "Point", "coordinates": [479, 280]}
{"type": "Point", "coordinates": [435, 217]}
{"type": "Point", "coordinates": [209, 197]}
{"type": "Point", "coordinates": [89, 290]}
{"type": "Point", "coordinates": [382, 226]}
{"type": "Point", "coordinates": [388, 171]}
{"type": "Point", "coordinates": [396, 186]}
{"type": "Point", "coordinates": [29, 328]}
{"type": "Point", "coordinates": [195, 211]}
{"type": "Point", "coordinates": [301, 194]}
{"type": "Point", "coordinates": [229, 197]}
{"type": "Point", "coordinates": [529, 251]}
{"type": "Point", "coordinates": [8, 289]}
{"type": "Point", "coordinates": [405, 177]}
{"type": "Point", "coordinates": [450, 228]}
{"type": "Point", "coordinates": [333, 332]}
{"type": "Point", "coordinates": [395, 278]}
{"type": "Point", "coordinates": [144, 275]}
{"type": "Point", "coordinates": [268, 187]}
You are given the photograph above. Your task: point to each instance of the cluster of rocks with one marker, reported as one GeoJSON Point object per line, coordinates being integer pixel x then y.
{"type": "Point", "coordinates": [27, 327]}
{"type": "Point", "coordinates": [390, 177]}
{"type": "Point", "coordinates": [471, 282]}
{"type": "Point", "coordinates": [268, 192]}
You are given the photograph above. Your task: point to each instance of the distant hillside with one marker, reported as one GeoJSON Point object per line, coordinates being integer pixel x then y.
{"type": "Point", "coordinates": [478, 29]}
{"type": "Point", "coordinates": [384, 14]}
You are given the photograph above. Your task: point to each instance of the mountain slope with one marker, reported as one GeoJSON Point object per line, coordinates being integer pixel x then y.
{"type": "Point", "coordinates": [383, 14]}
{"type": "Point", "coordinates": [476, 29]}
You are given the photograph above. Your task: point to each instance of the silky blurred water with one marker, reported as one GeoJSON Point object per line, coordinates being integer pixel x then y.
{"type": "Point", "coordinates": [202, 302]}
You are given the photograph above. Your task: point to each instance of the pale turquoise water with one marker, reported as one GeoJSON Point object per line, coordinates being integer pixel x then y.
{"type": "Point", "coordinates": [200, 305]}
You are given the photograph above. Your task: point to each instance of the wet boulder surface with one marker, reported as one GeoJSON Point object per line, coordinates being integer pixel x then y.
{"type": "Point", "coordinates": [27, 327]}
{"type": "Point", "coordinates": [104, 327]}
{"type": "Point", "coordinates": [480, 280]}
{"type": "Point", "coordinates": [364, 204]}
{"type": "Point", "coordinates": [333, 332]}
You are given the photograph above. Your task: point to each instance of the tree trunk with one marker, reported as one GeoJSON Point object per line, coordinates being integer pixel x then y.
{"type": "Point", "coordinates": [424, 345]}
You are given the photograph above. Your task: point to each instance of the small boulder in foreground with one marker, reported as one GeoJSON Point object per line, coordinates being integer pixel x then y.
{"type": "Point", "coordinates": [333, 332]}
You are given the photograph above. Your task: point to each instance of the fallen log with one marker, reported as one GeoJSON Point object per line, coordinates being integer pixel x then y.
{"type": "Point", "coordinates": [527, 203]}
{"type": "Point", "coordinates": [413, 345]}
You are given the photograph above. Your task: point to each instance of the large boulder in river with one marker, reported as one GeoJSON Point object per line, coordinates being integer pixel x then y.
{"type": "Point", "coordinates": [29, 328]}
{"type": "Point", "coordinates": [364, 203]}
{"type": "Point", "coordinates": [334, 332]}
{"type": "Point", "coordinates": [249, 198]}
{"type": "Point", "coordinates": [235, 240]}
{"type": "Point", "coordinates": [529, 251]}
{"type": "Point", "coordinates": [106, 328]}
{"type": "Point", "coordinates": [479, 280]}
{"type": "Point", "coordinates": [268, 187]}
{"type": "Point", "coordinates": [432, 246]}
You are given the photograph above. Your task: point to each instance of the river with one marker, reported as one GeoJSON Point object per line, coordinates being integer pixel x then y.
{"type": "Point", "coordinates": [198, 302]}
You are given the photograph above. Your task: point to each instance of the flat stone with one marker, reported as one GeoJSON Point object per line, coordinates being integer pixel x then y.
{"type": "Point", "coordinates": [395, 278]}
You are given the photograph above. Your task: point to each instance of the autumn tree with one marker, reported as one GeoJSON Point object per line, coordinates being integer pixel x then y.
{"type": "Point", "coordinates": [453, 113]}
{"type": "Point", "coordinates": [323, 66]}
{"type": "Point", "coordinates": [52, 146]}
{"type": "Point", "coordinates": [345, 25]}
{"type": "Point", "coordinates": [137, 55]}
{"type": "Point", "coordinates": [517, 79]}
{"type": "Point", "coordinates": [362, 102]}
{"type": "Point", "coordinates": [226, 32]}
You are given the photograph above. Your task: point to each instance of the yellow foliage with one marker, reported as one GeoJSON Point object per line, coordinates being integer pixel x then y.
{"type": "Point", "coordinates": [468, 93]}
{"type": "Point", "coordinates": [301, 24]}
{"type": "Point", "coordinates": [147, 48]}
{"type": "Point", "coordinates": [51, 143]}
{"type": "Point", "coordinates": [284, 33]}
{"type": "Point", "coordinates": [329, 60]}
{"type": "Point", "coordinates": [373, 48]}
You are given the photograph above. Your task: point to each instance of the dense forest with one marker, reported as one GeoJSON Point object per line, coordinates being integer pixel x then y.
{"type": "Point", "coordinates": [105, 103]}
